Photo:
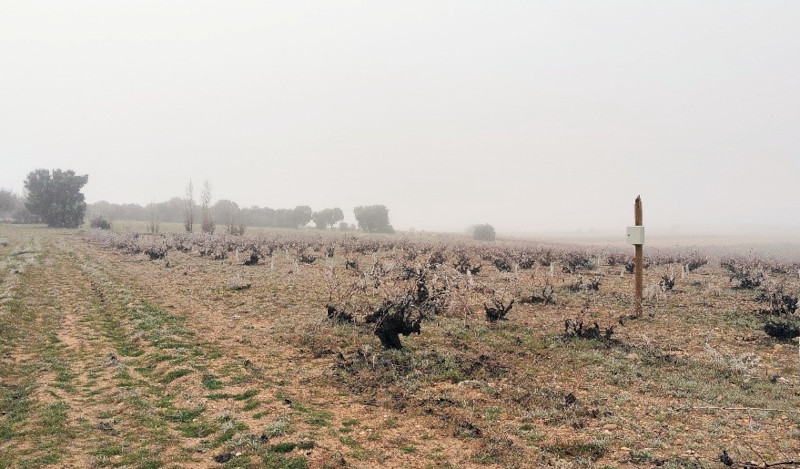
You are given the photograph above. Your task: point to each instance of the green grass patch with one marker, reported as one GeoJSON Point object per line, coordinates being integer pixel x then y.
{"type": "Point", "coordinates": [54, 419]}
{"type": "Point", "coordinates": [229, 427]}
{"type": "Point", "coordinates": [306, 445]}
{"type": "Point", "coordinates": [246, 395]}
{"type": "Point", "coordinates": [210, 382]}
{"type": "Point", "coordinates": [6, 431]}
{"type": "Point", "coordinates": [282, 448]}
{"type": "Point", "coordinates": [175, 374]}
{"type": "Point", "coordinates": [198, 429]}
{"type": "Point", "coordinates": [108, 451]}
{"type": "Point", "coordinates": [236, 397]}
{"type": "Point", "coordinates": [319, 418]}
{"type": "Point", "coordinates": [16, 406]}
{"type": "Point", "coordinates": [250, 405]}
{"type": "Point", "coordinates": [186, 415]}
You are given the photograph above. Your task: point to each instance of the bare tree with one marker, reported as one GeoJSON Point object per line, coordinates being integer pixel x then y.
{"type": "Point", "coordinates": [154, 225]}
{"type": "Point", "coordinates": [205, 201]}
{"type": "Point", "coordinates": [188, 211]}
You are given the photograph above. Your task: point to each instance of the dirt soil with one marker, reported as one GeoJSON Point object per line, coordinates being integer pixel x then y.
{"type": "Point", "coordinates": [111, 359]}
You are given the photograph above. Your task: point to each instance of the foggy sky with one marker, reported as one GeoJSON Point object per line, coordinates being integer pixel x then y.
{"type": "Point", "coordinates": [532, 116]}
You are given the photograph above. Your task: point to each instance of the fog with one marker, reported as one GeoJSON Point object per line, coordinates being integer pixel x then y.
{"type": "Point", "coordinates": [531, 116]}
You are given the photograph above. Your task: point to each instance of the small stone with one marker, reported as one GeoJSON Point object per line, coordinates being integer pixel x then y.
{"type": "Point", "coordinates": [778, 347]}
{"type": "Point", "coordinates": [610, 426]}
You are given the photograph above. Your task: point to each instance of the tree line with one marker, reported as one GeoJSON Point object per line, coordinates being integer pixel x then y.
{"type": "Point", "coordinates": [56, 199]}
{"type": "Point", "coordinates": [373, 218]}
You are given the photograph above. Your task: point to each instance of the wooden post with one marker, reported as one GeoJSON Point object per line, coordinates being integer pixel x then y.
{"type": "Point", "coordinates": [637, 212]}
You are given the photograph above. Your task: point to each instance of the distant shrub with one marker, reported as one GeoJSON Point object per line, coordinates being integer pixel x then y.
{"type": "Point", "coordinates": [307, 258]}
{"type": "Point", "coordinates": [338, 315]}
{"type": "Point", "coordinates": [23, 215]}
{"type": "Point", "coordinates": [394, 317]}
{"type": "Point", "coordinates": [577, 329]}
{"type": "Point", "coordinates": [156, 251]}
{"type": "Point", "coordinates": [546, 257]}
{"type": "Point", "coordinates": [99, 222]}
{"type": "Point", "coordinates": [617, 258]}
{"type": "Point", "coordinates": [575, 261]}
{"type": "Point", "coordinates": [154, 225]}
{"type": "Point", "coordinates": [403, 308]}
{"type": "Point", "coordinates": [782, 328]}
{"type": "Point", "coordinates": [630, 264]}
{"type": "Point", "coordinates": [585, 285]}
{"type": "Point", "coordinates": [12, 208]}
{"type": "Point", "coordinates": [498, 310]}
{"type": "Point", "coordinates": [747, 274]}
{"type": "Point", "coordinates": [667, 283]}
{"type": "Point", "coordinates": [780, 302]}
{"type": "Point", "coordinates": [502, 264]}
{"type": "Point", "coordinates": [526, 261]}
{"type": "Point", "coordinates": [464, 264]}
{"type": "Point", "coordinates": [695, 262]}
{"type": "Point", "coordinates": [253, 260]}
{"type": "Point", "coordinates": [208, 226]}
{"type": "Point", "coordinates": [545, 297]}
{"type": "Point", "coordinates": [235, 230]}
{"type": "Point", "coordinates": [483, 232]}
{"type": "Point", "coordinates": [437, 259]}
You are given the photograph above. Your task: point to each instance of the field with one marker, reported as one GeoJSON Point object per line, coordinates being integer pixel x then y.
{"type": "Point", "coordinates": [148, 351]}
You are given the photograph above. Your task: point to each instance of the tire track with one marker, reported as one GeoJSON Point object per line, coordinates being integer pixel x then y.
{"type": "Point", "coordinates": [69, 396]}
{"type": "Point", "coordinates": [36, 374]}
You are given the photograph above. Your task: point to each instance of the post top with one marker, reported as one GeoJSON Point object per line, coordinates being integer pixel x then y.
{"type": "Point", "coordinates": [637, 211]}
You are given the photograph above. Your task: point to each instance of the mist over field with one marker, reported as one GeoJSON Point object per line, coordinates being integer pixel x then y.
{"type": "Point", "coordinates": [536, 117]}
{"type": "Point", "coordinates": [345, 234]}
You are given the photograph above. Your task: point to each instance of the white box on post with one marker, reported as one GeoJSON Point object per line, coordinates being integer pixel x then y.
{"type": "Point", "coordinates": [635, 235]}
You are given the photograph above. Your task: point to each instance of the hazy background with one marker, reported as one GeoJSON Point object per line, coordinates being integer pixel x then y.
{"type": "Point", "coordinates": [532, 116]}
